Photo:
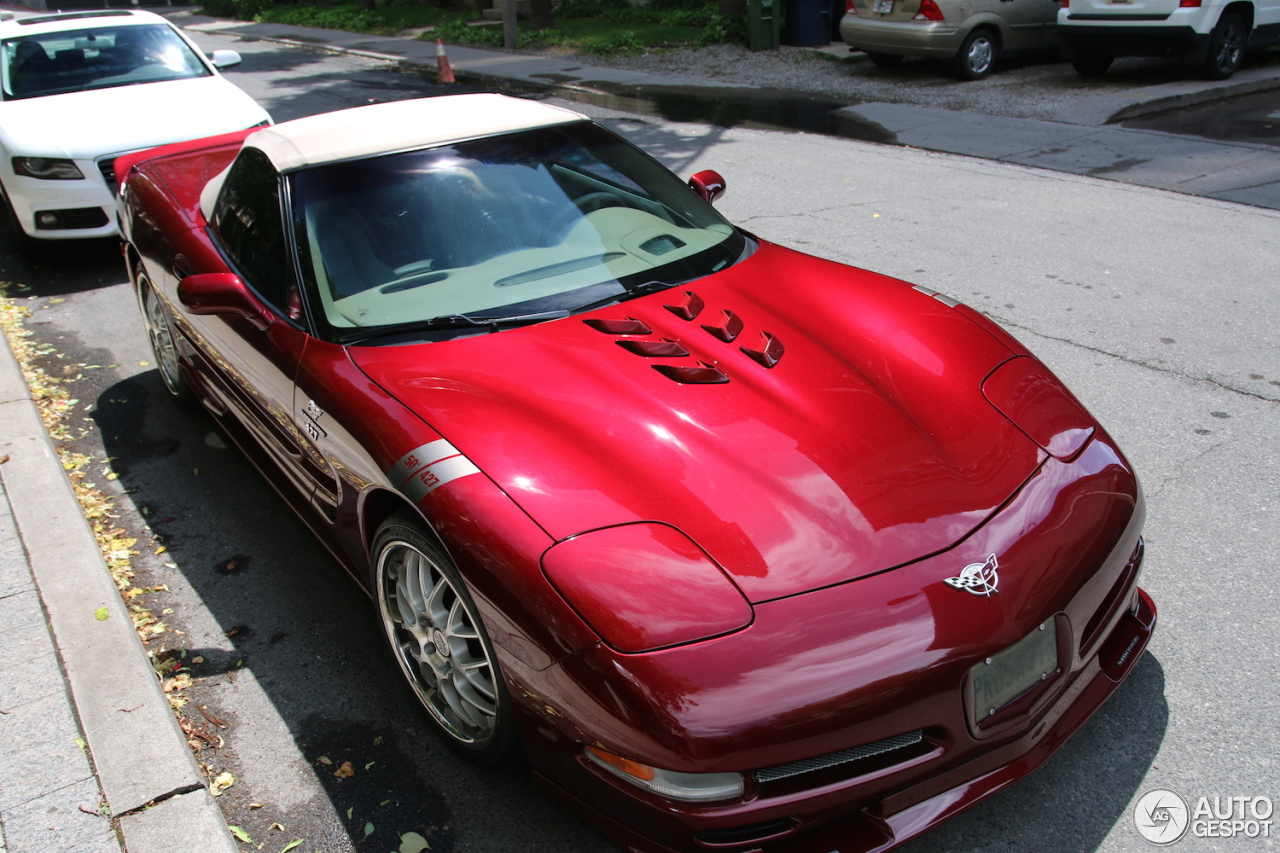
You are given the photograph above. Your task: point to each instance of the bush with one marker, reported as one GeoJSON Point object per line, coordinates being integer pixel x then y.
{"type": "Point", "coordinates": [623, 42]}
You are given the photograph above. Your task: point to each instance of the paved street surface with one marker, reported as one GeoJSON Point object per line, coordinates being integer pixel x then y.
{"type": "Point", "coordinates": [1159, 309]}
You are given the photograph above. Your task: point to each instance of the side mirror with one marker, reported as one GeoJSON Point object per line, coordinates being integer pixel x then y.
{"type": "Point", "coordinates": [708, 185]}
{"type": "Point", "coordinates": [224, 58]}
{"type": "Point", "coordinates": [222, 293]}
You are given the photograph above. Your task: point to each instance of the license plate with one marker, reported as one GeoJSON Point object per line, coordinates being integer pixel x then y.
{"type": "Point", "coordinates": [883, 7]}
{"type": "Point", "coordinates": [1008, 674]}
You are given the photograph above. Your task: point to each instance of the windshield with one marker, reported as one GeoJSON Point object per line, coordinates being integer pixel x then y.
{"type": "Point", "coordinates": [95, 58]}
{"type": "Point", "coordinates": [548, 220]}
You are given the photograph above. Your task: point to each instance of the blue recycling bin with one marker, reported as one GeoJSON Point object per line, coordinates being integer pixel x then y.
{"type": "Point", "coordinates": [808, 23]}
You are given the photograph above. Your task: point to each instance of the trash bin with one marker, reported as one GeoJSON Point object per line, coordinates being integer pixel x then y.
{"type": "Point", "coordinates": [764, 19]}
{"type": "Point", "coordinates": [808, 22]}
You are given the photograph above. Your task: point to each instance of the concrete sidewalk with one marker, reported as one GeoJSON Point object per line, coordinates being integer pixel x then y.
{"type": "Point", "coordinates": [1082, 140]}
{"type": "Point", "coordinates": [91, 757]}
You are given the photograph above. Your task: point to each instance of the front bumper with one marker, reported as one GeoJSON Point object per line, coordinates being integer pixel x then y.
{"type": "Point", "coordinates": [800, 685]}
{"type": "Point", "coordinates": [937, 40]}
{"type": "Point", "coordinates": [63, 210]}
{"type": "Point", "coordinates": [881, 824]}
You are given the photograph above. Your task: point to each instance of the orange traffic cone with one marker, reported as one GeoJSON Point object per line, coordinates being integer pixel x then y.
{"type": "Point", "coordinates": [444, 72]}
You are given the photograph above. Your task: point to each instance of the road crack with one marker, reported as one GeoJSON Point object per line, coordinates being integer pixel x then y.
{"type": "Point", "coordinates": [1209, 380]}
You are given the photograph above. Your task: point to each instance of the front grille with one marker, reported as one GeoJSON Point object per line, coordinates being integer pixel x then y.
{"type": "Point", "coordinates": [107, 166]}
{"type": "Point", "coordinates": [834, 759]}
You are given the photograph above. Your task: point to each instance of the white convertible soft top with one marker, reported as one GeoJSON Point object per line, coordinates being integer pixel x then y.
{"type": "Point", "coordinates": [400, 126]}
{"type": "Point", "coordinates": [387, 128]}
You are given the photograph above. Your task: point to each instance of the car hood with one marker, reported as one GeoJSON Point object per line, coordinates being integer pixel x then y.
{"type": "Point", "coordinates": [867, 444]}
{"type": "Point", "coordinates": [85, 125]}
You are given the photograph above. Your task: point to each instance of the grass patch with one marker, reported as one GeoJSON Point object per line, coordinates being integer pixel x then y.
{"type": "Point", "coordinates": [599, 27]}
{"type": "Point", "coordinates": [382, 20]}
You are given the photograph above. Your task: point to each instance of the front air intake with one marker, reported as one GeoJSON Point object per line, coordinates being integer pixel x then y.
{"type": "Point", "coordinates": [845, 756]}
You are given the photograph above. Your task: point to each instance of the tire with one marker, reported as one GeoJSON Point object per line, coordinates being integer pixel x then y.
{"type": "Point", "coordinates": [1226, 47]}
{"type": "Point", "coordinates": [440, 643]}
{"type": "Point", "coordinates": [885, 60]}
{"type": "Point", "coordinates": [1092, 64]}
{"type": "Point", "coordinates": [977, 55]}
{"type": "Point", "coordinates": [163, 345]}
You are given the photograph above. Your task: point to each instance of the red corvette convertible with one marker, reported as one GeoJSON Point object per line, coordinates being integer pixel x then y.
{"type": "Point", "coordinates": [744, 549]}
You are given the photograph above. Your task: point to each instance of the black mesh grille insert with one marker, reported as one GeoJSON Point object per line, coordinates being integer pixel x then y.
{"type": "Point", "coordinates": [845, 756]}
{"type": "Point", "coordinates": [107, 166]}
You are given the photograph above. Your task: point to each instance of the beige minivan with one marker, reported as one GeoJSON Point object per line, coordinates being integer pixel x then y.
{"type": "Point", "coordinates": [971, 34]}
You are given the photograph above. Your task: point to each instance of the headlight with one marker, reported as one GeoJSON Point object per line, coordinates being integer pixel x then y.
{"type": "Point", "coordinates": [645, 586]}
{"type": "Point", "coordinates": [690, 787]}
{"type": "Point", "coordinates": [47, 168]}
{"type": "Point", "coordinates": [1026, 393]}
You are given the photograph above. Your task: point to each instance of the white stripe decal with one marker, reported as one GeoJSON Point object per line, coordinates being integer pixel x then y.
{"type": "Point", "coordinates": [424, 469]}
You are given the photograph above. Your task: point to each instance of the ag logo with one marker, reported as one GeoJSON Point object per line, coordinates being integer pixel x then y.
{"type": "Point", "coordinates": [978, 578]}
{"type": "Point", "coordinates": [1161, 816]}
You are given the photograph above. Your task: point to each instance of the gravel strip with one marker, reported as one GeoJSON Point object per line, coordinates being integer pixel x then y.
{"type": "Point", "coordinates": [1028, 87]}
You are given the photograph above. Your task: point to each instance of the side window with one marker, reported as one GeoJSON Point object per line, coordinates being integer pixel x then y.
{"type": "Point", "coordinates": [247, 222]}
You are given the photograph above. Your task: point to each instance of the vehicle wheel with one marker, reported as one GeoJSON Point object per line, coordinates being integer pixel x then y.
{"type": "Point", "coordinates": [440, 643]}
{"type": "Point", "coordinates": [885, 60]}
{"type": "Point", "coordinates": [163, 346]}
{"type": "Point", "coordinates": [1226, 47]}
{"type": "Point", "coordinates": [977, 55]}
{"type": "Point", "coordinates": [1092, 64]}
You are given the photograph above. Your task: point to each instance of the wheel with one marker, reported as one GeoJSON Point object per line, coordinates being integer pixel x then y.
{"type": "Point", "coordinates": [163, 346]}
{"type": "Point", "coordinates": [440, 642]}
{"type": "Point", "coordinates": [1226, 47]}
{"type": "Point", "coordinates": [885, 60]}
{"type": "Point", "coordinates": [1092, 64]}
{"type": "Point", "coordinates": [977, 55]}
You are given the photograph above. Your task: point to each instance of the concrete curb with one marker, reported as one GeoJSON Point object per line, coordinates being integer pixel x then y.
{"type": "Point", "coordinates": [138, 750]}
{"type": "Point", "coordinates": [1117, 107]}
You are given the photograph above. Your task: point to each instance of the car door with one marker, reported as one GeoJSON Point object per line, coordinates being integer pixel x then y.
{"type": "Point", "coordinates": [1028, 21]}
{"type": "Point", "coordinates": [250, 364]}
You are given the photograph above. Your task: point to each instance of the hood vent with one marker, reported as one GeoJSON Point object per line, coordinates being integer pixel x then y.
{"type": "Point", "coordinates": [769, 354]}
{"type": "Point", "coordinates": [654, 349]}
{"type": "Point", "coordinates": [729, 329]}
{"type": "Point", "coordinates": [703, 374]}
{"type": "Point", "coordinates": [690, 309]}
{"type": "Point", "coordinates": [624, 326]}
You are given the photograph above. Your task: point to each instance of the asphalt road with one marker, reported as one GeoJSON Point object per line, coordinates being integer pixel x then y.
{"type": "Point", "coordinates": [1158, 309]}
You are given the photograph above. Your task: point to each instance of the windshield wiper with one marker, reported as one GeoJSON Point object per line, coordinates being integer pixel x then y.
{"type": "Point", "coordinates": [453, 321]}
{"type": "Point", "coordinates": [632, 292]}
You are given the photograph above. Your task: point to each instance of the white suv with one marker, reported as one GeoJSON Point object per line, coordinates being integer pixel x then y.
{"type": "Point", "coordinates": [1209, 33]}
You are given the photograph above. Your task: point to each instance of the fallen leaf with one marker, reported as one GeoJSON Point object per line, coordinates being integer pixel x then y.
{"type": "Point", "coordinates": [412, 842]}
{"type": "Point", "coordinates": [80, 743]}
{"type": "Point", "coordinates": [55, 300]}
{"type": "Point", "coordinates": [378, 740]}
{"type": "Point", "coordinates": [325, 760]}
{"type": "Point", "coordinates": [276, 827]}
{"type": "Point", "coordinates": [241, 834]}
{"type": "Point", "coordinates": [4, 459]}
{"type": "Point", "coordinates": [222, 782]}
{"type": "Point", "coordinates": [161, 549]}
{"type": "Point", "coordinates": [145, 363]}
{"type": "Point", "coordinates": [101, 613]}
{"type": "Point", "coordinates": [292, 844]}
{"type": "Point", "coordinates": [197, 659]}
{"type": "Point", "coordinates": [370, 764]}
{"type": "Point", "coordinates": [253, 806]}
{"type": "Point", "coordinates": [345, 771]}
{"type": "Point", "coordinates": [368, 830]}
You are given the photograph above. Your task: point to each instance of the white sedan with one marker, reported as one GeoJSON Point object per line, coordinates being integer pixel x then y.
{"type": "Point", "coordinates": [81, 88]}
